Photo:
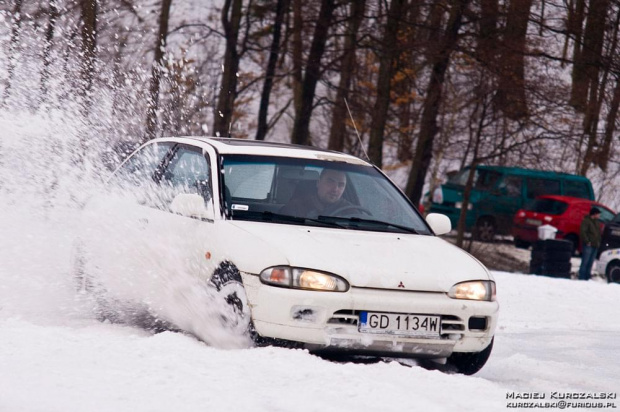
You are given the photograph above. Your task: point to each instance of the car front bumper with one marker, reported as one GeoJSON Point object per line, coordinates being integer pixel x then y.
{"type": "Point", "coordinates": [329, 320]}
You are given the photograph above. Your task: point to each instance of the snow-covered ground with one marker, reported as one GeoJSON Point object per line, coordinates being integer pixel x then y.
{"type": "Point", "coordinates": [554, 335]}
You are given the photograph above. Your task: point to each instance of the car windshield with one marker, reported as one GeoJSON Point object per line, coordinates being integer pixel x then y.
{"type": "Point", "coordinates": [548, 206]}
{"type": "Point", "coordinates": [315, 193]}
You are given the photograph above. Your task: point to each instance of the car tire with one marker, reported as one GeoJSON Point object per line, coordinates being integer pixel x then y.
{"type": "Point", "coordinates": [86, 286]}
{"type": "Point", "coordinates": [485, 229]}
{"type": "Point", "coordinates": [613, 272]}
{"type": "Point", "coordinates": [468, 363]}
{"type": "Point", "coordinates": [228, 282]}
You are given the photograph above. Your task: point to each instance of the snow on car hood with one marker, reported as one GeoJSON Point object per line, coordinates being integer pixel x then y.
{"type": "Point", "coordinates": [371, 259]}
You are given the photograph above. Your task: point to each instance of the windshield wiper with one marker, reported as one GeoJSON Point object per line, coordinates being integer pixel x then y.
{"type": "Point", "coordinates": [268, 216]}
{"type": "Point", "coordinates": [371, 221]}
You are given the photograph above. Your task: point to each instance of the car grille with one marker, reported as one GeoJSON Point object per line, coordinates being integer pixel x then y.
{"type": "Point", "coordinates": [449, 324]}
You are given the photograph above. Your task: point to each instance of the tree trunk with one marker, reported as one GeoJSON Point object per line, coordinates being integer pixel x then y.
{"type": "Point", "coordinates": [89, 47]}
{"type": "Point", "coordinates": [261, 129]}
{"type": "Point", "coordinates": [592, 59]}
{"type": "Point", "coordinates": [160, 45]}
{"type": "Point", "coordinates": [511, 87]}
{"type": "Point", "coordinates": [428, 125]}
{"type": "Point", "coordinates": [610, 128]}
{"type": "Point", "coordinates": [301, 128]}
{"type": "Point", "coordinates": [17, 22]}
{"type": "Point", "coordinates": [231, 21]}
{"type": "Point", "coordinates": [340, 113]}
{"type": "Point", "coordinates": [47, 49]}
{"type": "Point", "coordinates": [579, 87]}
{"type": "Point", "coordinates": [298, 46]}
{"type": "Point", "coordinates": [387, 54]}
{"type": "Point", "coordinates": [486, 49]}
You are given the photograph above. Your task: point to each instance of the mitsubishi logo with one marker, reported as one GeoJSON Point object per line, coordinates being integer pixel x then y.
{"type": "Point", "coordinates": [400, 285]}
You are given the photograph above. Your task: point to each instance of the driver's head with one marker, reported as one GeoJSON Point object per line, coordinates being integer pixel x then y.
{"type": "Point", "coordinates": [331, 185]}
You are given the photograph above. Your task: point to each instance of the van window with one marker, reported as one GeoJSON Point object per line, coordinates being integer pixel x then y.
{"type": "Point", "coordinates": [483, 179]}
{"type": "Point", "coordinates": [511, 185]}
{"type": "Point", "coordinates": [537, 187]}
{"type": "Point", "coordinates": [576, 189]}
{"type": "Point", "coordinates": [547, 206]}
{"type": "Point", "coordinates": [486, 179]}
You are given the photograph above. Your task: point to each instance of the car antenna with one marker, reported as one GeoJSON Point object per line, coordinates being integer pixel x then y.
{"type": "Point", "coordinates": [356, 132]}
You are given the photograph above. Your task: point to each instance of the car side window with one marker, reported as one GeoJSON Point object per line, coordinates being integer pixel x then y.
{"type": "Point", "coordinates": [140, 168]}
{"type": "Point", "coordinates": [511, 185]}
{"type": "Point", "coordinates": [187, 172]}
{"type": "Point", "coordinates": [606, 215]}
{"type": "Point", "coordinates": [537, 187]}
{"type": "Point", "coordinates": [576, 189]}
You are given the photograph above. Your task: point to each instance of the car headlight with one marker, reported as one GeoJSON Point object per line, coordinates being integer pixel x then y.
{"type": "Point", "coordinates": [473, 290]}
{"type": "Point", "coordinates": [299, 278]}
{"type": "Point", "coordinates": [459, 205]}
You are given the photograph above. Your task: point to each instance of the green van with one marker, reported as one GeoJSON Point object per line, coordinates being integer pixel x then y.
{"type": "Point", "coordinates": [499, 192]}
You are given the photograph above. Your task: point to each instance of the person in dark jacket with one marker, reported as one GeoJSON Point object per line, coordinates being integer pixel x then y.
{"type": "Point", "coordinates": [590, 241]}
{"type": "Point", "coordinates": [323, 200]}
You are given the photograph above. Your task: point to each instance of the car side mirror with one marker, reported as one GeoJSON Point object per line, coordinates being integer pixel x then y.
{"type": "Point", "coordinates": [439, 223]}
{"type": "Point", "coordinates": [192, 205]}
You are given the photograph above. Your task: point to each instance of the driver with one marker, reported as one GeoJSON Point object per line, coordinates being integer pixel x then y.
{"type": "Point", "coordinates": [326, 199]}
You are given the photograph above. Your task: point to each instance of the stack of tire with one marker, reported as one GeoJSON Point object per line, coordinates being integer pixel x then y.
{"type": "Point", "coordinates": [551, 257]}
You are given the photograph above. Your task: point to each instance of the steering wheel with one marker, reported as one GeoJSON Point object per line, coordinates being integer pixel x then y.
{"type": "Point", "coordinates": [352, 208]}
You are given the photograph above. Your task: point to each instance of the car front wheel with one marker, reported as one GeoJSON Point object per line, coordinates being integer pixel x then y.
{"type": "Point", "coordinates": [469, 363]}
{"type": "Point", "coordinates": [229, 285]}
{"type": "Point", "coordinates": [613, 272]}
{"type": "Point", "coordinates": [485, 229]}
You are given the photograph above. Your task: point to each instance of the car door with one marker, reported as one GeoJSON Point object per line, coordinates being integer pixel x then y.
{"type": "Point", "coordinates": [113, 222]}
{"type": "Point", "coordinates": [176, 244]}
{"type": "Point", "coordinates": [507, 198]}
{"type": "Point", "coordinates": [611, 232]}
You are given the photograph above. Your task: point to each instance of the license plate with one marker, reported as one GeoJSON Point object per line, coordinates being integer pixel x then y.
{"type": "Point", "coordinates": [400, 324]}
{"type": "Point", "coordinates": [534, 222]}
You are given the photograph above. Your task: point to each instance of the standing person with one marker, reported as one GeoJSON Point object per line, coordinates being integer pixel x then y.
{"type": "Point", "coordinates": [590, 241]}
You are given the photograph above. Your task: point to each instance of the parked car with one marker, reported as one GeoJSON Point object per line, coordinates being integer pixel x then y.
{"type": "Point", "coordinates": [611, 234]}
{"type": "Point", "coordinates": [369, 277]}
{"type": "Point", "coordinates": [499, 192]}
{"type": "Point", "coordinates": [609, 264]}
{"type": "Point", "coordinates": [562, 212]}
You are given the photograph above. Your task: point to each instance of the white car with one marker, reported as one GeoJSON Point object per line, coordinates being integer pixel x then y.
{"type": "Point", "coordinates": [310, 248]}
{"type": "Point", "coordinates": [609, 265]}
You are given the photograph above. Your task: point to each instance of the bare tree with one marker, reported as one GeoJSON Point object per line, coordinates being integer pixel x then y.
{"type": "Point", "coordinates": [47, 48]}
{"type": "Point", "coordinates": [338, 125]}
{"type": "Point", "coordinates": [428, 126]}
{"type": "Point", "coordinates": [261, 130]}
{"type": "Point", "coordinates": [511, 89]}
{"type": "Point", "coordinates": [388, 52]}
{"type": "Point", "coordinates": [231, 21]}
{"type": "Point", "coordinates": [301, 128]}
{"type": "Point", "coordinates": [17, 21]}
{"type": "Point", "coordinates": [160, 46]}
{"type": "Point", "coordinates": [89, 45]}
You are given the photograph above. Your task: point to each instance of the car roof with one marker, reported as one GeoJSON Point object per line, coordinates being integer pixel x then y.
{"type": "Point", "coordinates": [567, 199]}
{"type": "Point", "coordinates": [258, 147]}
{"type": "Point", "coordinates": [570, 199]}
{"type": "Point", "coordinates": [532, 172]}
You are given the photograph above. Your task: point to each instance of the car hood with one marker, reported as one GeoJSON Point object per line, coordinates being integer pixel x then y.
{"type": "Point", "coordinates": [371, 259]}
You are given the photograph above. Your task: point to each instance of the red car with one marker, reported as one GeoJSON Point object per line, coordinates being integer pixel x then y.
{"type": "Point", "coordinates": [562, 212]}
